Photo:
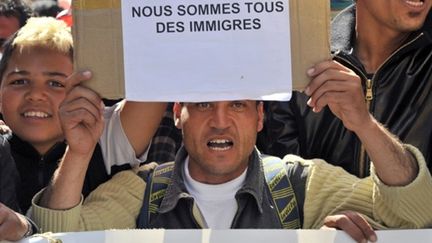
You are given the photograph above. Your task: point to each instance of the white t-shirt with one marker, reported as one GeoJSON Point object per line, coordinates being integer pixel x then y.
{"type": "Point", "coordinates": [115, 146]}
{"type": "Point", "coordinates": [216, 202]}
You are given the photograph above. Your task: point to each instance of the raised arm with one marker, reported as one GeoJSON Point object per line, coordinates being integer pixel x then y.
{"type": "Point", "coordinates": [140, 121]}
{"type": "Point", "coordinates": [81, 117]}
{"type": "Point", "coordinates": [340, 89]}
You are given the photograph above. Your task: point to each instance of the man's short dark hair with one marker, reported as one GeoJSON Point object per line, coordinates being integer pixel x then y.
{"type": "Point", "coordinates": [47, 8]}
{"type": "Point", "coordinates": [16, 8]}
{"type": "Point", "coordinates": [7, 53]}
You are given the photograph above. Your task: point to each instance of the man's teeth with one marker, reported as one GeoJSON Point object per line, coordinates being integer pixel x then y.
{"type": "Point", "coordinates": [415, 3]}
{"type": "Point", "coordinates": [37, 114]}
{"type": "Point", "coordinates": [220, 144]}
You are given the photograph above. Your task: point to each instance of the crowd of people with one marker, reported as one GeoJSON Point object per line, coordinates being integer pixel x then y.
{"type": "Point", "coordinates": [352, 151]}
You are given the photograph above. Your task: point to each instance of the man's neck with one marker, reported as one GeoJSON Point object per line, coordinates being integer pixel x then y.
{"type": "Point", "coordinates": [375, 42]}
{"type": "Point", "coordinates": [373, 51]}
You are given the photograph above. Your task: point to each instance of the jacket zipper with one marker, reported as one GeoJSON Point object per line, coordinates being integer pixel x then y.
{"type": "Point", "coordinates": [41, 171]}
{"type": "Point", "coordinates": [369, 97]}
{"type": "Point", "coordinates": [362, 159]}
{"type": "Point", "coordinates": [369, 92]}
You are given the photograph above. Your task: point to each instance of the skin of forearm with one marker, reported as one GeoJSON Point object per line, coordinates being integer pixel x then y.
{"type": "Point", "coordinates": [64, 191]}
{"type": "Point", "coordinates": [140, 120]}
{"type": "Point", "coordinates": [394, 165]}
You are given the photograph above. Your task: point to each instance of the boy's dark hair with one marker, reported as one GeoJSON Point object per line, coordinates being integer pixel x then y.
{"type": "Point", "coordinates": [16, 8]}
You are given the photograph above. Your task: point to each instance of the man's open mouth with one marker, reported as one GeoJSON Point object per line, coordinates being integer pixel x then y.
{"type": "Point", "coordinates": [220, 144]}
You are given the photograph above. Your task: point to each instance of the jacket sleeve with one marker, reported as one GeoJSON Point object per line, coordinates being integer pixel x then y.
{"type": "Point", "coordinates": [8, 176]}
{"type": "Point", "coordinates": [394, 207]}
{"type": "Point", "coordinates": [280, 133]}
{"type": "Point", "coordinates": [113, 205]}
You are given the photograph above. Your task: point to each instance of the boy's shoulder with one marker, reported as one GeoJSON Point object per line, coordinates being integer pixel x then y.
{"type": "Point", "coordinates": [4, 140]}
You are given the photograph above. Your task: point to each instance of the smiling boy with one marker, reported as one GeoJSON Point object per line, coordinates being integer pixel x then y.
{"type": "Point", "coordinates": [36, 75]}
{"type": "Point", "coordinates": [382, 60]}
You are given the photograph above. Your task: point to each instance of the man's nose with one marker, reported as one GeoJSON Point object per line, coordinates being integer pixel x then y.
{"type": "Point", "coordinates": [220, 118]}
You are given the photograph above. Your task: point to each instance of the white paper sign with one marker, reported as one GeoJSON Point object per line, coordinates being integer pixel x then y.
{"type": "Point", "coordinates": [230, 236]}
{"type": "Point", "coordinates": [206, 50]}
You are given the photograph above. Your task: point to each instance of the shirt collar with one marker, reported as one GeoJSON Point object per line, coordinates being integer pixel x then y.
{"type": "Point", "coordinates": [253, 186]}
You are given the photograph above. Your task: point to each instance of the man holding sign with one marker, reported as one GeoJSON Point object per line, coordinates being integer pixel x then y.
{"type": "Point", "coordinates": [382, 61]}
{"type": "Point", "coordinates": [219, 180]}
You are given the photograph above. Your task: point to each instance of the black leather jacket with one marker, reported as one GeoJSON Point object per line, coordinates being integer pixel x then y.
{"type": "Point", "coordinates": [9, 177]}
{"type": "Point", "coordinates": [400, 98]}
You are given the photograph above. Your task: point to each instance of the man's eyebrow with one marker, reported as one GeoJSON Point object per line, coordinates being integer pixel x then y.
{"type": "Point", "coordinates": [55, 74]}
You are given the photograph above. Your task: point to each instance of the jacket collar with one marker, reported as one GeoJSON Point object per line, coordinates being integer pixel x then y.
{"type": "Point", "coordinates": [343, 31]}
{"type": "Point", "coordinates": [176, 190]}
{"type": "Point", "coordinates": [25, 149]}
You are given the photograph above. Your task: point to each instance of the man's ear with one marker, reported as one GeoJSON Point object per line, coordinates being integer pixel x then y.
{"type": "Point", "coordinates": [177, 113]}
{"type": "Point", "coordinates": [260, 110]}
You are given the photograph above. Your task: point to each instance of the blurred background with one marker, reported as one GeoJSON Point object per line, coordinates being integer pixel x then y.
{"type": "Point", "coordinates": [338, 5]}
{"type": "Point", "coordinates": [48, 5]}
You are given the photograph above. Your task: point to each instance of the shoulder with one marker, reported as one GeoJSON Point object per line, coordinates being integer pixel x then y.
{"type": "Point", "coordinates": [295, 161]}
{"type": "Point", "coordinates": [144, 171]}
{"type": "Point", "coordinates": [4, 140]}
{"type": "Point", "coordinates": [4, 147]}
{"type": "Point", "coordinates": [307, 168]}
{"type": "Point", "coordinates": [296, 167]}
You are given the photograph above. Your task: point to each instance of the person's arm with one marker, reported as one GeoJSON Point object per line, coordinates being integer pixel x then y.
{"type": "Point", "coordinates": [115, 204]}
{"type": "Point", "coordinates": [340, 89]}
{"type": "Point", "coordinates": [330, 190]}
{"type": "Point", "coordinates": [133, 125]}
{"type": "Point", "coordinates": [393, 164]}
{"type": "Point", "coordinates": [14, 226]}
{"type": "Point", "coordinates": [81, 118]}
{"type": "Point", "coordinates": [140, 121]}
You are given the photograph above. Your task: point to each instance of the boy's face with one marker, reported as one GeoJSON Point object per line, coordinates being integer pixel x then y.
{"type": "Point", "coordinates": [32, 88]}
